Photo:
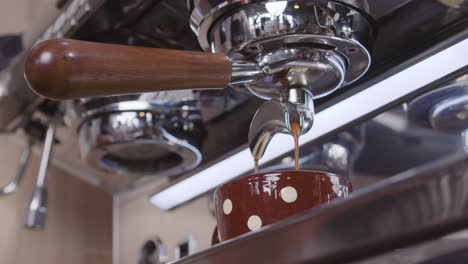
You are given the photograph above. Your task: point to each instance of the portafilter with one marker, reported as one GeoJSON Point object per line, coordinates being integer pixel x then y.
{"type": "Point", "coordinates": [142, 138]}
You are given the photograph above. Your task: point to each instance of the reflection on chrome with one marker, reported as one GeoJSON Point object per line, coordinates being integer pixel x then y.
{"type": "Point", "coordinates": [276, 8]}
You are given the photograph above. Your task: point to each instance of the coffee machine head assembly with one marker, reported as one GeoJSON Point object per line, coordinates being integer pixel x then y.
{"type": "Point", "coordinates": [287, 52]}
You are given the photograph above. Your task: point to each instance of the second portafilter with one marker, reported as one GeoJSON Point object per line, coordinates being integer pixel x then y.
{"type": "Point", "coordinates": [444, 109]}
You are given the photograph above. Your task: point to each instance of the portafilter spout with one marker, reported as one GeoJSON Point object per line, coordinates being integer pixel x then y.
{"type": "Point", "coordinates": [37, 208]}
{"type": "Point", "coordinates": [276, 116]}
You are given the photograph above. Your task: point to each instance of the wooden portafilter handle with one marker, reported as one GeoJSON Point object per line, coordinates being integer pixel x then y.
{"type": "Point", "coordinates": [69, 69]}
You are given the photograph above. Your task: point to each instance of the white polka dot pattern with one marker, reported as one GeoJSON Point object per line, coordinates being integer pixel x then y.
{"type": "Point", "coordinates": [227, 206]}
{"type": "Point", "coordinates": [254, 222]}
{"type": "Point", "coordinates": [288, 194]}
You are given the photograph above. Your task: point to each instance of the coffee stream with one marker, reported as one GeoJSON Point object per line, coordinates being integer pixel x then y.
{"type": "Point", "coordinates": [296, 132]}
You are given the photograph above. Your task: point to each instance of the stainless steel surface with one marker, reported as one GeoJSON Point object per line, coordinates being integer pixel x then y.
{"type": "Point", "coordinates": [80, 109]}
{"type": "Point", "coordinates": [243, 71]}
{"type": "Point", "coordinates": [318, 71]}
{"type": "Point", "coordinates": [75, 13]}
{"type": "Point", "coordinates": [138, 138]}
{"type": "Point", "coordinates": [206, 14]}
{"type": "Point", "coordinates": [419, 205]}
{"type": "Point", "coordinates": [315, 45]}
{"type": "Point", "coordinates": [276, 117]}
{"type": "Point", "coordinates": [139, 105]}
{"type": "Point", "coordinates": [451, 249]}
{"type": "Point", "coordinates": [37, 209]}
{"type": "Point", "coordinates": [12, 186]}
{"type": "Point", "coordinates": [376, 9]}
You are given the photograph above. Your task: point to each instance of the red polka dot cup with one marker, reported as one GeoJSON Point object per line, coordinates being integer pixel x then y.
{"type": "Point", "coordinates": [249, 203]}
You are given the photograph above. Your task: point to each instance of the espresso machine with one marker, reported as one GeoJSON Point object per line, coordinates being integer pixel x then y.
{"type": "Point", "coordinates": [337, 68]}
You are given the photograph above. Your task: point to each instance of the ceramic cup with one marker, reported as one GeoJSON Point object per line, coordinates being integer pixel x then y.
{"type": "Point", "coordinates": [249, 203]}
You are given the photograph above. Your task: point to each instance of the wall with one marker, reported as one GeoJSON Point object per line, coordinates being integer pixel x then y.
{"type": "Point", "coordinates": [79, 222]}
{"type": "Point", "coordinates": [13, 16]}
{"type": "Point", "coordinates": [139, 221]}
{"type": "Point", "coordinates": [31, 16]}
